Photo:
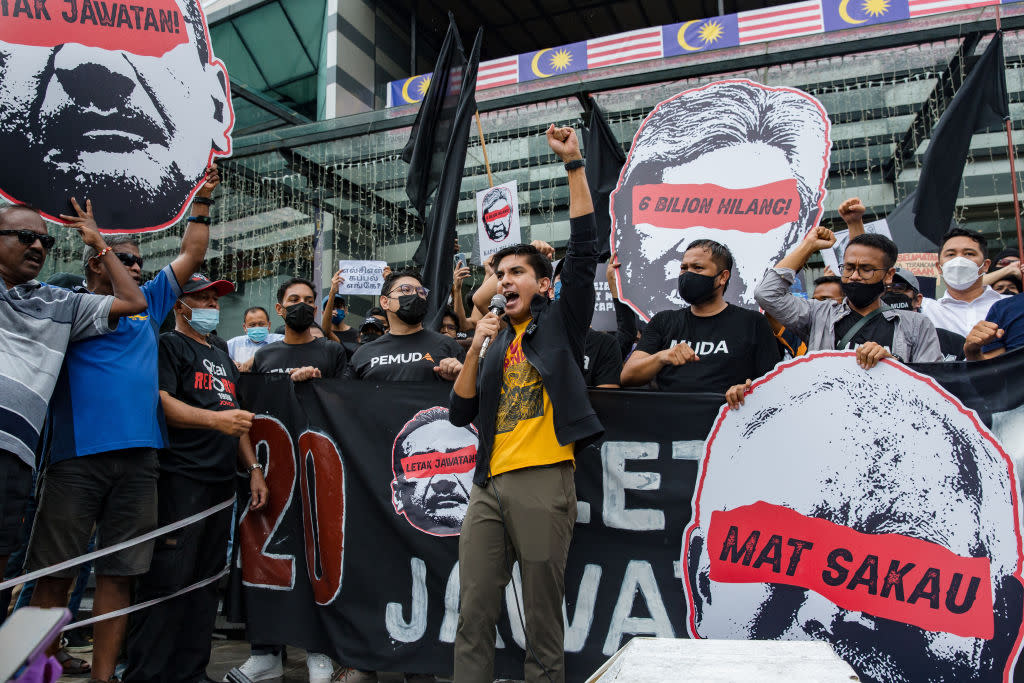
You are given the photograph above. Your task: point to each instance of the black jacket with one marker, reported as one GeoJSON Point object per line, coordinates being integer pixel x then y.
{"type": "Point", "coordinates": [553, 344]}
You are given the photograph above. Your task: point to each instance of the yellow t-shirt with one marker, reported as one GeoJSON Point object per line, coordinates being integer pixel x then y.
{"type": "Point", "coordinates": [524, 426]}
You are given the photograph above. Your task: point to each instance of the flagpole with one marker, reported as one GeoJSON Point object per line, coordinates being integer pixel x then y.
{"type": "Point", "coordinates": [1013, 167]}
{"type": "Point", "coordinates": [480, 130]}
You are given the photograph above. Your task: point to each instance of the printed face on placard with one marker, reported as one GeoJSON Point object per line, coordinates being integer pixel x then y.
{"type": "Point", "coordinates": [497, 214]}
{"type": "Point", "coordinates": [892, 538]}
{"type": "Point", "coordinates": [736, 162]}
{"type": "Point", "coordinates": [122, 103]}
{"type": "Point", "coordinates": [433, 463]}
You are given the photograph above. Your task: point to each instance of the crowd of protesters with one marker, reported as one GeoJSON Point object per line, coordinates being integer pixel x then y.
{"type": "Point", "coordinates": [109, 429]}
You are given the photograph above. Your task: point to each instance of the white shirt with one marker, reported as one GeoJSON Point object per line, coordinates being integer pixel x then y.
{"type": "Point", "coordinates": [959, 316]}
{"type": "Point", "coordinates": [242, 348]}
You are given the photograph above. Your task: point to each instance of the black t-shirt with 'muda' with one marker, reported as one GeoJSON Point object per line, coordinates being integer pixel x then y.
{"type": "Point", "coordinates": [278, 357]}
{"type": "Point", "coordinates": [733, 346]}
{"type": "Point", "coordinates": [404, 357]}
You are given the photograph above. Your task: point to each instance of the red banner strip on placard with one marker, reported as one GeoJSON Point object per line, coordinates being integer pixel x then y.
{"type": "Point", "coordinates": [149, 28]}
{"type": "Point", "coordinates": [748, 209]}
{"type": "Point", "coordinates": [432, 463]}
{"type": "Point", "coordinates": [886, 575]}
{"type": "Point", "coordinates": [495, 215]}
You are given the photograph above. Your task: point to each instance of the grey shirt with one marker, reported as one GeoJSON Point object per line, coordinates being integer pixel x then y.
{"type": "Point", "coordinates": [36, 324]}
{"type": "Point", "coordinates": [914, 337]}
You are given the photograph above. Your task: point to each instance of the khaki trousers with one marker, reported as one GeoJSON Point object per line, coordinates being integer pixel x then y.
{"type": "Point", "coordinates": [532, 524]}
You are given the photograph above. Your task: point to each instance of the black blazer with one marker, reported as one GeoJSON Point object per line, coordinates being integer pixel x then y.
{"type": "Point", "coordinates": [553, 343]}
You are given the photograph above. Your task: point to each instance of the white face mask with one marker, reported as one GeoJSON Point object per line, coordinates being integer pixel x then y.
{"type": "Point", "coordinates": [960, 273]}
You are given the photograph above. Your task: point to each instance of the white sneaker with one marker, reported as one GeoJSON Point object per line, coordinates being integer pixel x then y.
{"type": "Point", "coordinates": [356, 676]}
{"type": "Point", "coordinates": [263, 667]}
{"type": "Point", "coordinates": [320, 667]}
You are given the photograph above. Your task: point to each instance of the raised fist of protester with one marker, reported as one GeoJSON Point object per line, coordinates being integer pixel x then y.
{"type": "Point", "coordinates": [486, 327]}
{"type": "Point", "coordinates": [820, 238]}
{"type": "Point", "coordinates": [680, 354]}
{"type": "Point", "coordinates": [852, 211]}
{"type": "Point", "coordinates": [448, 369]}
{"type": "Point", "coordinates": [258, 490]}
{"type": "Point", "coordinates": [233, 422]}
{"type": "Point", "coordinates": [983, 333]}
{"type": "Point", "coordinates": [85, 225]}
{"type": "Point", "coordinates": [564, 143]}
{"type": "Point", "coordinates": [544, 248]}
{"type": "Point", "coordinates": [869, 353]}
{"type": "Point", "coordinates": [386, 272]}
{"type": "Point", "coordinates": [734, 396]}
{"type": "Point", "coordinates": [305, 373]}
{"type": "Point", "coordinates": [609, 273]}
{"type": "Point", "coordinates": [212, 181]}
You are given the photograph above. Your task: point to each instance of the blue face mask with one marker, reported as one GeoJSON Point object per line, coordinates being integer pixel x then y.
{"type": "Point", "coordinates": [257, 334]}
{"type": "Point", "coordinates": [338, 316]}
{"type": "Point", "coordinates": [204, 320]}
{"type": "Point", "coordinates": [558, 290]}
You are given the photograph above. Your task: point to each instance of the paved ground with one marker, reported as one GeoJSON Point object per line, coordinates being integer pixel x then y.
{"type": "Point", "coordinates": [229, 653]}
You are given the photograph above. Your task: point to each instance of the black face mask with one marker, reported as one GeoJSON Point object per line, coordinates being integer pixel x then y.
{"type": "Point", "coordinates": [412, 309]}
{"type": "Point", "coordinates": [299, 316]}
{"type": "Point", "coordinates": [900, 302]}
{"type": "Point", "coordinates": [860, 294]}
{"type": "Point", "coordinates": [695, 288]}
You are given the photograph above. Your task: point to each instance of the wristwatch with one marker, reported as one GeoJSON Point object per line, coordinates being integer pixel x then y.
{"type": "Point", "coordinates": [254, 466]}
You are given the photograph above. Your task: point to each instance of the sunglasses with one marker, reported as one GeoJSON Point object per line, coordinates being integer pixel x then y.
{"type": "Point", "coordinates": [28, 238]}
{"type": "Point", "coordinates": [128, 260]}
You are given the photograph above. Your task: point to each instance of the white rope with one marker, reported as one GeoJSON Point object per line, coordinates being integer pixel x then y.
{"type": "Point", "coordinates": [31, 576]}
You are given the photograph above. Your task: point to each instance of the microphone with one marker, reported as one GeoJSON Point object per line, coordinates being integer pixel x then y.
{"type": "Point", "coordinates": [497, 307]}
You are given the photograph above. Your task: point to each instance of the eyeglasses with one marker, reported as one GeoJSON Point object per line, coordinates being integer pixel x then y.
{"type": "Point", "coordinates": [865, 271]}
{"type": "Point", "coordinates": [28, 238]}
{"type": "Point", "coordinates": [406, 290]}
{"type": "Point", "coordinates": [128, 260]}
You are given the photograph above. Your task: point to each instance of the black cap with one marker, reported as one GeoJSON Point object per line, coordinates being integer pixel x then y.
{"type": "Point", "coordinates": [372, 322]}
{"type": "Point", "coordinates": [198, 282]}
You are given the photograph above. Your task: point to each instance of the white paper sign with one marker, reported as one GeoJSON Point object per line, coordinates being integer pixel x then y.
{"type": "Point", "coordinates": [361, 277]}
{"type": "Point", "coordinates": [497, 222]}
{"type": "Point", "coordinates": [834, 256]}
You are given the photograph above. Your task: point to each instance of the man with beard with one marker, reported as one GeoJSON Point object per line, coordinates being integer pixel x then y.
{"type": "Point", "coordinates": [94, 460]}
{"type": "Point", "coordinates": [433, 461]}
{"type": "Point", "coordinates": [407, 352]}
{"type": "Point", "coordinates": [860, 322]}
{"type": "Point", "coordinates": [711, 344]}
{"type": "Point", "coordinates": [36, 325]}
{"type": "Point", "coordinates": [736, 139]}
{"type": "Point", "coordinates": [907, 498]}
{"type": "Point", "coordinates": [497, 216]}
{"type": "Point", "coordinates": [132, 127]}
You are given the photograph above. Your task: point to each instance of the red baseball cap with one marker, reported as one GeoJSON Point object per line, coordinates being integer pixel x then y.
{"type": "Point", "coordinates": [198, 282]}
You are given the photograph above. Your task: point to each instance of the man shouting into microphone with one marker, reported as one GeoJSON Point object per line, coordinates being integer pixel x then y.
{"type": "Point", "coordinates": [528, 391]}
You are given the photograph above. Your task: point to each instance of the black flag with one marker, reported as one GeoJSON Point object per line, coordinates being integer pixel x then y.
{"type": "Point", "coordinates": [438, 244]}
{"type": "Point", "coordinates": [604, 163]}
{"type": "Point", "coordinates": [428, 140]}
{"type": "Point", "coordinates": [980, 104]}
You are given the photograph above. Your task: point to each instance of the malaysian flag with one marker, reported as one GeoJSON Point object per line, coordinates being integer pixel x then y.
{"type": "Point", "coordinates": [922, 8]}
{"type": "Point", "coordinates": [504, 71]}
{"type": "Point", "coordinates": [772, 23]}
{"type": "Point", "coordinates": [623, 48]}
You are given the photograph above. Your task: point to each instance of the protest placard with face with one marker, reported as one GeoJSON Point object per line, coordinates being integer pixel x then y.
{"type": "Point", "coordinates": [121, 103]}
{"type": "Point", "coordinates": [735, 161]}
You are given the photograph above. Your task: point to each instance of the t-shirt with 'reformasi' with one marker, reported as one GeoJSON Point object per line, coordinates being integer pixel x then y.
{"type": "Point", "coordinates": [733, 345]}
{"type": "Point", "coordinates": [203, 377]}
{"type": "Point", "coordinates": [327, 356]}
{"type": "Point", "coordinates": [403, 357]}
{"type": "Point", "coordinates": [524, 426]}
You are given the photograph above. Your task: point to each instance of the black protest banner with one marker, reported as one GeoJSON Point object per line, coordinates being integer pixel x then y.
{"type": "Point", "coordinates": [356, 554]}
{"type": "Point", "coordinates": [349, 484]}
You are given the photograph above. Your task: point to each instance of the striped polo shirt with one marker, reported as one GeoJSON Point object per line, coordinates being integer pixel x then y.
{"type": "Point", "coordinates": [36, 324]}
